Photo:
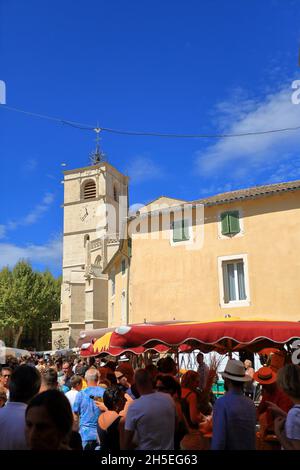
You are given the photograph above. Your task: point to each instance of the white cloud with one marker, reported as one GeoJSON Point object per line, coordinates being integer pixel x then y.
{"type": "Point", "coordinates": [49, 254]}
{"type": "Point", "coordinates": [32, 217]}
{"type": "Point", "coordinates": [215, 189]}
{"type": "Point", "coordinates": [37, 212]}
{"type": "Point", "coordinates": [143, 168]}
{"type": "Point", "coordinates": [243, 158]}
{"type": "Point", "coordinates": [135, 207]}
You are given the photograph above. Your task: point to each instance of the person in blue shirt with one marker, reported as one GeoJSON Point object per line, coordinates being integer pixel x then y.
{"type": "Point", "coordinates": [234, 414]}
{"type": "Point", "coordinates": [86, 410]}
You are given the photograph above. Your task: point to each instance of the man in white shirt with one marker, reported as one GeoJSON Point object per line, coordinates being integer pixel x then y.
{"type": "Point", "coordinates": [202, 370]}
{"type": "Point", "coordinates": [151, 418]}
{"type": "Point", "coordinates": [24, 384]}
{"type": "Point", "coordinates": [76, 386]}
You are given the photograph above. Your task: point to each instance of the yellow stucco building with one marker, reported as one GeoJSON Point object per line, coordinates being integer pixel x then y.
{"type": "Point", "coordinates": [232, 254]}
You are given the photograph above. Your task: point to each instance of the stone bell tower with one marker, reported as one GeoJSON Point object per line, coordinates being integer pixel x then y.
{"type": "Point", "coordinates": [89, 242]}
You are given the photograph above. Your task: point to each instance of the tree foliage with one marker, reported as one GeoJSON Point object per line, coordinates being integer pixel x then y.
{"type": "Point", "coordinates": [29, 301]}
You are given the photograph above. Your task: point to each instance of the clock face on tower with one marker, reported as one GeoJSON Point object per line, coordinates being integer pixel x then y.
{"type": "Point", "coordinates": [84, 213]}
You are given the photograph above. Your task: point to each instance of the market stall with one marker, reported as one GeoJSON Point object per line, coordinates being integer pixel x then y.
{"type": "Point", "coordinates": [221, 336]}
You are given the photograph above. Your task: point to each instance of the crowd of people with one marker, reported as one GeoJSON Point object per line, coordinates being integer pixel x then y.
{"type": "Point", "coordinates": [97, 405]}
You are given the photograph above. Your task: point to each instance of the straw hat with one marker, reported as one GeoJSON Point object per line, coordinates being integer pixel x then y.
{"type": "Point", "coordinates": [265, 376]}
{"type": "Point", "coordinates": [235, 370]}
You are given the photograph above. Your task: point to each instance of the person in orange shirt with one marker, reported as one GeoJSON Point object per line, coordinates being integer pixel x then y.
{"type": "Point", "coordinates": [270, 393]}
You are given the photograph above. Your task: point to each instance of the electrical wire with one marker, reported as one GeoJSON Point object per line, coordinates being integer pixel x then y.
{"type": "Point", "coordinates": [50, 118]}
{"type": "Point", "coordinates": [199, 136]}
{"type": "Point", "coordinates": [90, 127]}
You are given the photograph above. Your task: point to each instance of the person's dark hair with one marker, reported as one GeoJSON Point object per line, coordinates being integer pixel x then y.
{"type": "Point", "coordinates": [49, 378]}
{"type": "Point", "coordinates": [112, 397]}
{"type": "Point", "coordinates": [75, 380]}
{"type": "Point", "coordinates": [112, 378]}
{"type": "Point", "coordinates": [9, 369]}
{"type": "Point", "coordinates": [189, 379]}
{"type": "Point", "coordinates": [143, 378]}
{"type": "Point", "coordinates": [81, 370]}
{"type": "Point", "coordinates": [170, 384]}
{"type": "Point", "coordinates": [59, 363]}
{"type": "Point", "coordinates": [111, 365]}
{"type": "Point", "coordinates": [153, 371]}
{"type": "Point", "coordinates": [92, 361]}
{"type": "Point", "coordinates": [24, 384]}
{"type": "Point", "coordinates": [167, 365]}
{"type": "Point", "coordinates": [135, 391]}
{"type": "Point", "coordinates": [151, 368]}
{"type": "Point", "coordinates": [126, 369]}
{"type": "Point", "coordinates": [159, 364]}
{"type": "Point", "coordinates": [288, 378]}
{"type": "Point", "coordinates": [58, 408]}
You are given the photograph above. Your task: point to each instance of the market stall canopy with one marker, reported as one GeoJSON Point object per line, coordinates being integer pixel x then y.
{"type": "Point", "coordinates": [95, 342]}
{"type": "Point", "coordinates": [221, 336]}
{"type": "Point", "coordinates": [230, 334]}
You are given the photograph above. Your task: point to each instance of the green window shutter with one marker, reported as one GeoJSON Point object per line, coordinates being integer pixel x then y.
{"type": "Point", "coordinates": [234, 222]}
{"type": "Point", "coordinates": [225, 223]}
{"type": "Point", "coordinates": [129, 247]}
{"type": "Point", "coordinates": [177, 231]}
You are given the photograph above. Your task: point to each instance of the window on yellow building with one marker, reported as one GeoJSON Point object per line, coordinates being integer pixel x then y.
{"type": "Point", "coordinates": [123, 309]}
{"type": "Point", "coordinates": [112, 312]}
{"type": "Point", "coordinates": [181, 230]}
{"type": "Point", "coordinates": [230, 223]}
{"type": "Point", "coordinates": [234, 281]}
{"type": "Point", "coordinates": [129, 247]}
{"type": "Point", "coordinates": [113, 283]}
{"type": "Point", "coordinates": [115, 194]}
{"type": "Point", "coordinates": [123, 267]}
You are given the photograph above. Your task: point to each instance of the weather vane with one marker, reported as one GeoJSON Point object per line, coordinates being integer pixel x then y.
{"type": "Point", "coordinates": [97, 155]}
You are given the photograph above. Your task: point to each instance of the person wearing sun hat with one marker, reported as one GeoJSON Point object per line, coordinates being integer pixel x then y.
{"type": "Point", "coordinates": [266, 377]}
{"type": "Point", "coordinates": [234, 415]}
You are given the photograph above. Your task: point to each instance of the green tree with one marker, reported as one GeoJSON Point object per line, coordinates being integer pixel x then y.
{"type": "Point", "coordinates": [29, 301]}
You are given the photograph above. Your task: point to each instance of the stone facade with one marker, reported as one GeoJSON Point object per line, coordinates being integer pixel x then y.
{"type": "Point", "coordinates": [91, 238]}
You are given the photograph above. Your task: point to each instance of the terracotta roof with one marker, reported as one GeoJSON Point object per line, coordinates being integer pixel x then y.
{"type": "Point", "coordinates": [250, 193]}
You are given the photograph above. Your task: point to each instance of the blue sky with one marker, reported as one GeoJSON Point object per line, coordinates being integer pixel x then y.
{"type": "Point", "coordinates": [206, 66]}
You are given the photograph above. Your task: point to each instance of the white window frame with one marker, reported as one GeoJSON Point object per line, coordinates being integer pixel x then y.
{"type": "Point", "coordinates": [123, 308]}
{"type": "Point", "coordinates": [112, 313]}
{"type": "Point", "coordinates": [241, 221]}
{"type": "Point", "coordinates": [113, 291]}
{"type": "Point", "coordinates": [234, 303]}
{"type": "Point", "coordinates": [191, 233]}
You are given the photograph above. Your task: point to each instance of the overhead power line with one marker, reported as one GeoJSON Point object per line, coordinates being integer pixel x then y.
{"type": "Point", "coordinates": [198, 136]}
{"type": "Point", "coordinates": [90, 127]}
